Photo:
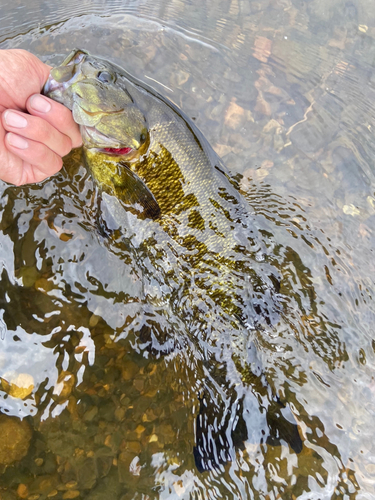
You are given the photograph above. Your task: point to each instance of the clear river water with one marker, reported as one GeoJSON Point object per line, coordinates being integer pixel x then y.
{"type": "Point", "coordinates": [283, 91]}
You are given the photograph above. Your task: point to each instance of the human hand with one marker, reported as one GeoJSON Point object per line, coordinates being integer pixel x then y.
{"type": "Point", "coordinates": [35, 132]}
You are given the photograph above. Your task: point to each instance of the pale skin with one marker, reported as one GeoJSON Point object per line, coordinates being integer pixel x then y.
{"type": "Point", "coordinates": [35, 132]}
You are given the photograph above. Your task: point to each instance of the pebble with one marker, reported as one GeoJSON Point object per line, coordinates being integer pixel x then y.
{"type": "Point", "coordinates": [18, 386]}
{"type": "Point", "coordinates": [350, 210]}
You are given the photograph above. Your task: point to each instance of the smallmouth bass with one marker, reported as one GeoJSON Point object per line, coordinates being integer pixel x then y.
{"type": "Point", "coordinates": [189, 221]}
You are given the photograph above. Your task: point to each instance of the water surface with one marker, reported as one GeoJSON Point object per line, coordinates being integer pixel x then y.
{"type": "Point", "coordinates": [284, 93]}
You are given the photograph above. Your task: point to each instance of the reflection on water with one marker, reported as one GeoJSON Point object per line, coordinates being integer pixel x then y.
{"type": "Point", "coordinates": [283, 91]}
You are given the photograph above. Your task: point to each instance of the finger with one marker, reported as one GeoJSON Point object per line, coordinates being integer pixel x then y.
{"type": "Point", "coordinates": [57, 115]}
{"type": "Point", "coordinates": [35, 153]}
{"type": "Point", "coordinates": [36, 129]}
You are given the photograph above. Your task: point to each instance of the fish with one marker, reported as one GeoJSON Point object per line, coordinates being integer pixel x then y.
{"type": "Point", "coordinates": [196, 241]}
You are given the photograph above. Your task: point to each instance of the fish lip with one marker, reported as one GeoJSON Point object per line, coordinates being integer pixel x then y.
{"type": "Point", "coordinates": [51, 86]}
{"type": "Point", "coordinates": [56, 90]}
{"type": "Point", "coordinates": [105, 143]}
{"type": "Point", "coordinates": [92, 141]}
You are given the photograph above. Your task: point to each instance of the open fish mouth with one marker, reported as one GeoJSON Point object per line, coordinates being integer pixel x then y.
{"type": "Point", "coordinates": [51, 86]}
{"type": "Point", "coordinates": [118, 151]}
{"type": "Point", "coordinates": [55, 89]}
{"type": "Point", "coordinates": [93, 139]}
{"type": "Point", "coordinates": [66, 75]}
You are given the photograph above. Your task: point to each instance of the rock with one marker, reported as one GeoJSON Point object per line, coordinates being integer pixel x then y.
{"type": "Point", "coordinates": [236, 117]}
{"type": "Point", "coordinates": [350, 210]}
{"type": "Point", "coordinates": [15, 439]}
{"type": "Point", "coordinates": [18, 386]}
{"type": "Point", "coordinates": [262, 48]}
{"type": "Point", "coordinates": [64, 386]}
{"type": "Point", "coordinates": [22, 491]}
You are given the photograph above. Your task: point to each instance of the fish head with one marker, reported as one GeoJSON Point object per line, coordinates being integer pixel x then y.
{"type": "Point", "coordinates": [109, 119]}
{"type": "Point", "coordinates": [113, 127]}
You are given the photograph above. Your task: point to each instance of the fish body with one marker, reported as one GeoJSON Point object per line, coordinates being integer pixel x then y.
{"type": "Point", "coordinates": [168, 171]}
{"type": "Point", "coordinates": [189, 222]}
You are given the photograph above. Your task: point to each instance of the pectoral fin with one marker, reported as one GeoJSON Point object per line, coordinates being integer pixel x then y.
{"type": "Point", "coordinates": [137, 197]}
{"type": "Point", "coordinates": [220, 430]}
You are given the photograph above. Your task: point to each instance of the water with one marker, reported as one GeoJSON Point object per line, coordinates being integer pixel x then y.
{"type": "Point", "coordinates": [283, 91]}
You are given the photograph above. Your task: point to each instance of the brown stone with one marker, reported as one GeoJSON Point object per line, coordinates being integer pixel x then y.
{"type": "Point", "coordinates": [262, 48]}
{"type": "Point", "coordinates": [129, 370]}
{"type": "Point", "coordinates": [15, 439]}
{"type": "Point", "coordinates": [71, 494]}
{"type": "Point", "coordinates": [18, 386]}
{"type": "Point", "coordinates": [235, 116]}
{"type": "Point", "coordinates": [22, 491]}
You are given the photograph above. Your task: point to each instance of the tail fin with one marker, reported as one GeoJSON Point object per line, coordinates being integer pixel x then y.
{"type": "Point", "coordinates": [220, 430]}
{"type": "Point", "coordinates": [222, 427]}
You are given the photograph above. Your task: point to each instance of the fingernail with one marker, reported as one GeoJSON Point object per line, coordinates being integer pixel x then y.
{"type": "Point", "coordinates": [14, 119]}
{"type": "Point", "coordinates": [17, 141]}
{"type": "Point", "coordinates": [39, 103]}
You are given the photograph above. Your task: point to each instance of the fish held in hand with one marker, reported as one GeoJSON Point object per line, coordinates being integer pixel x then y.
{"type": "Point", "coordinates": [206, 264]}
{"type": "Point", "coordinates": [113, 127]}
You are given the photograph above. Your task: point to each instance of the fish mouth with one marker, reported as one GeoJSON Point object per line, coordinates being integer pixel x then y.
{"type": "Point", "coordinates": [62, 77]}
{"type": "Point", "coordinates": [118, 151]}
{"type": "Point", "coordinates": [54, 89]}
{"type": "Point", "coordinates": [51, 85]}
{"type": "Point", "coordinates": [93, 139]}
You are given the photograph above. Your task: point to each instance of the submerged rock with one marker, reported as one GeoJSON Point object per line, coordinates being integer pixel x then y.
{"type": "Point", "coordinates": [15, 439]}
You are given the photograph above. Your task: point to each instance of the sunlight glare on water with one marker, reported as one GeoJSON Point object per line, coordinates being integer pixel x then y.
{"type": "Point", "coordinates": [283, 92]}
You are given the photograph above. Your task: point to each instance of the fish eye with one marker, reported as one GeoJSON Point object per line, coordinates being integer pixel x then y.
{"type": "Point", "coordinates": [105, 77]}
{"type": "Point", "coordinates": [143, 138]}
